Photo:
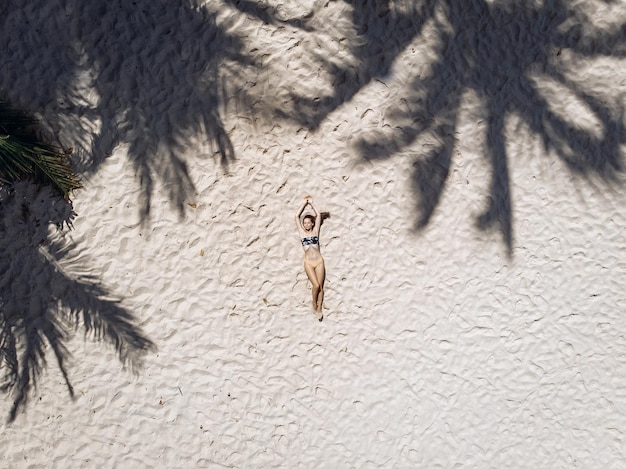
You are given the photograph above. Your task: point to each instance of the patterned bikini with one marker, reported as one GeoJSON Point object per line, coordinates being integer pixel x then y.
{"type": "Point", "coordinates": [309, 240]}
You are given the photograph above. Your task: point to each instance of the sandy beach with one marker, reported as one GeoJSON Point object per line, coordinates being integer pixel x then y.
{"type": "Point", "coordinates": [470, 158]}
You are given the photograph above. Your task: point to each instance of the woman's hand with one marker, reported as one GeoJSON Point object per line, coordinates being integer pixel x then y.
{"type": "Point", "coordinates": [308, 199]}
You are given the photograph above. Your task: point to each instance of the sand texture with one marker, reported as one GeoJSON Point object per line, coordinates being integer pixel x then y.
{"type": "Point", "coordinates": [470, 156]}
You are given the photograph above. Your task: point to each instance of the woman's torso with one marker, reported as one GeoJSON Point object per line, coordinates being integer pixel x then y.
{"type": "Point", "coordinates": [310, 244]}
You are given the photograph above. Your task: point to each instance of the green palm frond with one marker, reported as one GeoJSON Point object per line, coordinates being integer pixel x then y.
{"type": "Point", "coordinates": [23, 155]}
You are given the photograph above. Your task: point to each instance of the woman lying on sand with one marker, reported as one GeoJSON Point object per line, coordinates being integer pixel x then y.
{"type": "Point", "coordinates": [309, 229]}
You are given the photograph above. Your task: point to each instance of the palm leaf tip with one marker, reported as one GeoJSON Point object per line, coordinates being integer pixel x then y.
{"type": "Point", "coordinates": [23, 155]}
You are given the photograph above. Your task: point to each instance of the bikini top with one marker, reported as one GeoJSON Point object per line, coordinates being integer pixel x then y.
{"type": "Point", "coordinates": [309, 240]}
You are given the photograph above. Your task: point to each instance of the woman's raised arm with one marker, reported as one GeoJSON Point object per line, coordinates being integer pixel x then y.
{"type": "Point", "coordinates": [299, 213]}
{"type": "Point", "coordinates": [318, 215]}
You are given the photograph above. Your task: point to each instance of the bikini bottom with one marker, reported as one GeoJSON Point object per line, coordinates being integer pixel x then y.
{"type": "Point", "coordinates": [314, 264]}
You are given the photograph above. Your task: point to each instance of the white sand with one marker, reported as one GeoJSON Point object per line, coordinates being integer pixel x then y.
{"type": "Point", "coordinates": [441, 347]}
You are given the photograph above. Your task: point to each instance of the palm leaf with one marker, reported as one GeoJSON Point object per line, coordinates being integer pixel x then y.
{"type": "Point", "coordinates": [23, 155]}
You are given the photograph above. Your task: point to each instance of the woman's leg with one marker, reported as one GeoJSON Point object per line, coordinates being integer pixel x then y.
{"type": "Point", "coordinates": [315, 286]}
{"type": "Point", "coordinates": [320, 275]}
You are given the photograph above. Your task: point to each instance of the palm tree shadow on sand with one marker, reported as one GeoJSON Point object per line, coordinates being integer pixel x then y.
{"type": "Point", "coordinates": [150, 77]}
{"type": "Point", "coordinates": [376, 44]}
{"type": "Point", "coordinates": [41, 303]}
{"type": "Point", "coordinates": [493, 49]}
{"type": "Point", "coordinates": [100, 92]}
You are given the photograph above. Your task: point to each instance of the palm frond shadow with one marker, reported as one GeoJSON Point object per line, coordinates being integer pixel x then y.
{"type": "Point", "coordinates": [376, 44]}
{"type": "Point", "coordinates": [42, 304]}
{"type": "Point", "coordinates": [111, 93]}
{"type": "Point", "coordinates": [493, 49]}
